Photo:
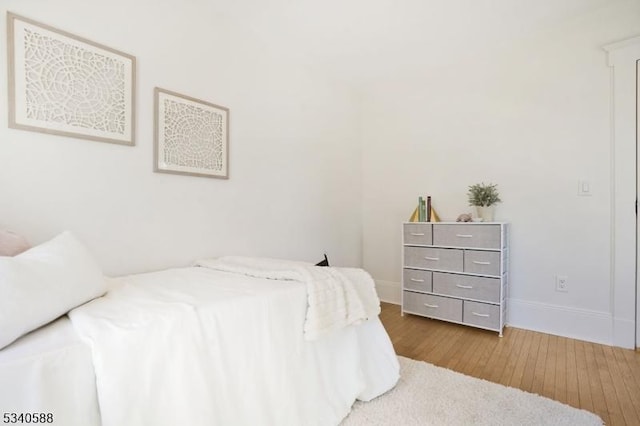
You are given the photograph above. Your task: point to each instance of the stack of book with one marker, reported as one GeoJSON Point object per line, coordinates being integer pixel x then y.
{"type": "Point", "coordinates": [424, 212]}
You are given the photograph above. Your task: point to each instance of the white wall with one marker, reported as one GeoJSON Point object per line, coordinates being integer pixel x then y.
{"type": "Point", "coordinates": [295, 178]}
{"type": "Point", "coordinates": [531, 115]}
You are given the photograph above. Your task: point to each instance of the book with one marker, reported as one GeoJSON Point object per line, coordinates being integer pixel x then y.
{"type": "Point", "coordinates": [424, 212]}
{"type": "Point", "coordinates": [421, 209]}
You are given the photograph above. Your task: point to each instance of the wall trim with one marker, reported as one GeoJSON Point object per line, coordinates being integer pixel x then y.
{"type": "Point", "coordinates": [623, 331]}
{"type": "Point", "coordinates": [625, 300]}
{"type": "Point", "coordinates": [575, 323]}
{"type": "Point", "coordinates": [622, 44]}
{"type": "Point", "coordinates": [389, 291]}
{"type": "Point", "coordinates": [581, 324]}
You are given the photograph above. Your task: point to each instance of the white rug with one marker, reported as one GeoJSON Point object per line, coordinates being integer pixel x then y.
{"type": "Point", "coordinates": [430, 395]}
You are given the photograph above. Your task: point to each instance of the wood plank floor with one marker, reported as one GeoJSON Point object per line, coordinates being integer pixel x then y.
{"type": "Point", "coordinates": [598, 378]}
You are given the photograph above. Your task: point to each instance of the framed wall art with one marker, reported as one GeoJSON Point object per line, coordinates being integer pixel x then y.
{"type": "Point", "coordinates": [66, 85]}
{"type": "Point", "coordinates": [191, 136]}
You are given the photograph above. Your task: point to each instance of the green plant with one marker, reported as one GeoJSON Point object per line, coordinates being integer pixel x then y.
{"type": "Point", "coordinates": [483, 195]}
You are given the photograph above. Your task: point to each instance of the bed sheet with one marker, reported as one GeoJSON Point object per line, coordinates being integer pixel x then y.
{"type": "Point", "coordinates": [197, 346]}
{"type": "Point", "coordinates": [50, 371]}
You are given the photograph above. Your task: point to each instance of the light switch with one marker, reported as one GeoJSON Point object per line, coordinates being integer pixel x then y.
{"type": "Point", "coordinates": [584, 188]}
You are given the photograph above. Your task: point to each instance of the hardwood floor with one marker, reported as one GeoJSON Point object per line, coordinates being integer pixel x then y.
{"type": "Point", "coordinates": [598, 378]}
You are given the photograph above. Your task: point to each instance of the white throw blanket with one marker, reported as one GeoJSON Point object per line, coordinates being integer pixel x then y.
{"type": "Point", "coordinates": [337, 297]}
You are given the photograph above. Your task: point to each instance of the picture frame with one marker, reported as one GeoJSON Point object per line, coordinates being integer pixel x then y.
{"type": "Point", "coordinates": [191, 136]}
{"type": "Point", "coordinates": [63, 84]}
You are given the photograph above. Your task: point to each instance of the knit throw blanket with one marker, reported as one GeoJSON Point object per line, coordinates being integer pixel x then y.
{"type": "Point", "coordinates": [337, 297]}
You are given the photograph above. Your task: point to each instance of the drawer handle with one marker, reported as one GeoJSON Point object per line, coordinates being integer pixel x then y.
{"type": "Point", "coordinates": [431, 258]}
{"type": "Point", "coordinates": [464, 235]}
{"type": "Point", "coordinates": [415, 280]}
{"type": "Point", "coordinates": [477, 262]}
{"type": "Point", "coordinates": [430, 306]}
{"type": "Point", "coordinates": [464, 286]}
{"type": "Point", "coordinates": [418, 234]}
{"type": "Point", "coordinates": [480, 315]}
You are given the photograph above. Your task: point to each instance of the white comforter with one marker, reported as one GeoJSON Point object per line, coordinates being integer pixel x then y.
{"type": "Point", "coordinates": [50, 371]}
{"type": "Point", "coordinates": [197, 346]}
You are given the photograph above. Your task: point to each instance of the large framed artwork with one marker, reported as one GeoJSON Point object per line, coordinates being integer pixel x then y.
{"type": "Point", "coordinates": [66, 85]}
{"type": "Point", "coordinates": [191, 136]}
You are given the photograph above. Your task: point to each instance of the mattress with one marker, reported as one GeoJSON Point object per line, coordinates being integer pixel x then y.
{"type": "Point", "coordinates": [49, 373]}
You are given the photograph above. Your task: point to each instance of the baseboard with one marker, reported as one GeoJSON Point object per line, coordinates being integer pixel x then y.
{"type": "Point", "coordinates": [581, 324]}
{"type": "Point", "coordinates": [389, 291]}
{"type": "Point", "coordinates": [624, 333]}
{"type": "Point", "coordinates": [575, 323]}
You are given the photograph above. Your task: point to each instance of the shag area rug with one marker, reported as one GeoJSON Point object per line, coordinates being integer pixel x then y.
{"type": "Point", "coordinates": [429, 395]}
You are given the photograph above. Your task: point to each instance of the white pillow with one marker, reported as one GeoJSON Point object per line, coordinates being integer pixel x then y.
{"type": "Point", "coordinates": [45, 282]}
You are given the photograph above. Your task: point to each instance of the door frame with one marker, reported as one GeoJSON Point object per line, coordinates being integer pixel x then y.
{"type": "Point", "coordinates": [623, 59]}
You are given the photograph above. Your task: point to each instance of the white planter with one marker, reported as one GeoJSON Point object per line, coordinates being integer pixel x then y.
{"type": "Point", "coordinates": [486, 212]}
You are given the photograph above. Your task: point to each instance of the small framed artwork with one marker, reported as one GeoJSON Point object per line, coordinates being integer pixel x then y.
{"type": "Point", "coordinates": [66, 85]}
{"type": "Point", "coordinates": [191, 136]}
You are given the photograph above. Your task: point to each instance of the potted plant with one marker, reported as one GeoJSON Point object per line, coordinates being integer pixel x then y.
{"type": "Point", "coordinates": [484, 197]}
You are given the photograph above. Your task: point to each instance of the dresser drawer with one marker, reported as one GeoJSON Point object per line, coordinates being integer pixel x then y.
{"type": "Point", "coordinates": [468, 287]}
{"type": "Point", "coordinates": [415, 279]}
{"type": "Point", "coordinates": [472, 236]}
{"type": "Point", "coordinates": [434, 258]}
{"type": "Point", "coordinates": [433, 306]}
{"type": "Point", "coordinates": [418, 233]}
{"type": "Point", "coordinates": [482, 262]}
{"type": "Point", "coordinates": [481, 314]}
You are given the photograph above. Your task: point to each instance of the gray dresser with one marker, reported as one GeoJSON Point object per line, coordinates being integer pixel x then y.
{"type": "Point", "coordinates": [456, 272]}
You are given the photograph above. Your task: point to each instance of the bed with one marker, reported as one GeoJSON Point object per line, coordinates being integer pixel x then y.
{"type": "Point", "coordinates": [225, 342]}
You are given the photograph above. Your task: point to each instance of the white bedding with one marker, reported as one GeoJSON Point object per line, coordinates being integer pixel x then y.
{"type": "Point", "coordinates": [195, 346]}
{"type": "Point", "coordinates": [50, 371]}
{"type": "Point", "coordinates": [336, 297]}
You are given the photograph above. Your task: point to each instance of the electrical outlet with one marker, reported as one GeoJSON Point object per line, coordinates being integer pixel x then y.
{"type": "Point", "coordinates": [562, 283]}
